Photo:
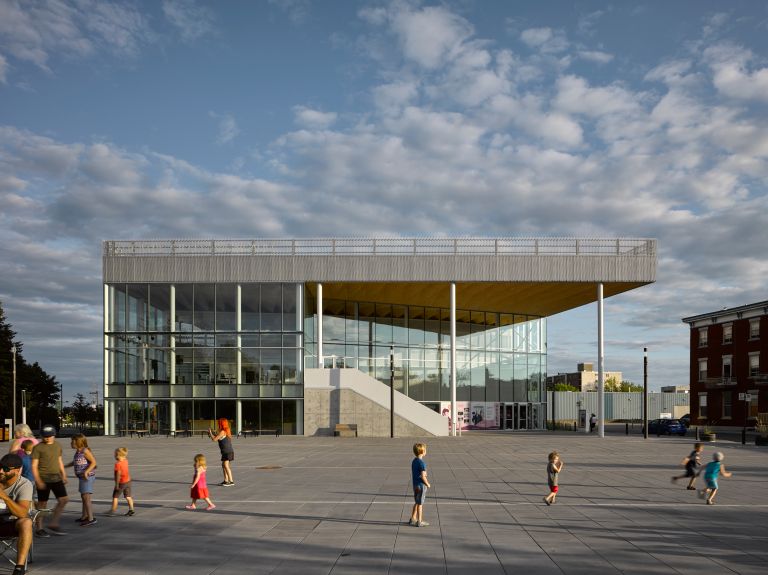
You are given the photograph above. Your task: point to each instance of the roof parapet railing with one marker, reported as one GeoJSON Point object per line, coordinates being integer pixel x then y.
{"type": "Point", "coordinates": [627, 247]}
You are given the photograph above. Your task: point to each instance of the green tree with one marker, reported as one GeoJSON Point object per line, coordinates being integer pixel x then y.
{"type": "Point", "coordinates": [42, 389]}
{"type": "Point", "coordinates": [564, 387]}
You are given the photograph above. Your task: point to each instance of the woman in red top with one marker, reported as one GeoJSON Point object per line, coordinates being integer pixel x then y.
{"type": "Point", "coordinates": [224, 437]}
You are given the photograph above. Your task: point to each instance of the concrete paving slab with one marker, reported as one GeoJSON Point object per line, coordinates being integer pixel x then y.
{"type": "Point", "coordinates": [325, 506]}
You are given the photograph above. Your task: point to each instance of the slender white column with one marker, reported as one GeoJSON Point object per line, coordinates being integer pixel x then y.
{"type": "Point", "coordinates": [239, 326]}
{"type": "Point", "coordinates": [454, 415]}
{"type": "Point", "coordinates": [172, 356]}
{"type": "Point", "coordinates": [320, 361]}
{"type": "Point", "coordinates": [600, 363]}
{"type": "Point", "coordinates": [106, 360]}
{"type": "Point", "coordinates": [239, 416]}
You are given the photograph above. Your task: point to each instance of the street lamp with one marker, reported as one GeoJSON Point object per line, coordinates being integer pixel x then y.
{"type": "Point", "coordinates": [24, 406]}
{"type": "Point", "coordinates": [13, 352]}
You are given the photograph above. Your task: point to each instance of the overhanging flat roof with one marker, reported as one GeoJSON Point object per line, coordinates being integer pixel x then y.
{"type": "Point", "coordinates": [536, 276]}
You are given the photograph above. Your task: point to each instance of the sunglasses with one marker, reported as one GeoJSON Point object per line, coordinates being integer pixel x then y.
{"type": "Point", "coordinates": [6, 469]}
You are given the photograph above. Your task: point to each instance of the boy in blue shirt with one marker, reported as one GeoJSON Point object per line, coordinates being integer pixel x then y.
{"type": "Point", "coordinates": [420, 485]}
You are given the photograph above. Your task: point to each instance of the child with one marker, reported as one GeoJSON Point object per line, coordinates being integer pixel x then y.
{"type": "Point", "coordinates": [199, 487]}
{"type": "Point", "coordinates": [84, 463]}
{"type": "Point", "coordinates": [26, 460]}
{"type": "Point", "coordinates": [553, 470]}
{"type": "Point", "coordinates": [713, 469]}
{"type": "Point", "coordinates": [420, 485]}
{"type": "Point", "coordinates": [692, 463]}
{"type": "Point", "coordinates": [122, 482]}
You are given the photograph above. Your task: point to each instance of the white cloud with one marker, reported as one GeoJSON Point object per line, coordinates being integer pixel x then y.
{"type": "Point", "coordinates": [192, 20]}
{"type": "Point", "coordinates": [547, 40]}
{"type": "Point", "coordinates": [428, 36]}
{"type": "Point", "coordinates": [3, 69]}
{"type": "Point", "coordinates": [595, 56]}
{"type": "Point", "coordinates": [732, 74]}
{"type": "Point", "coordinates": [227, 128]}
{"type": "Point", "coordinates": [313, 119]}
{"type": "Point", "coordinates": [34, 31]}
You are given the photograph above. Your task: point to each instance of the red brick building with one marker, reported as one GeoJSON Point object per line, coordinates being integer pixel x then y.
{"type": "Point", "coordinates": [729, 358]}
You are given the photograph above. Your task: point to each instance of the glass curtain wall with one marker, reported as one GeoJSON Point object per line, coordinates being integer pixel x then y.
{"type": "Point", "coordinates": [169, 341]}
{"type": "Point", "coordinates": [499, 357]}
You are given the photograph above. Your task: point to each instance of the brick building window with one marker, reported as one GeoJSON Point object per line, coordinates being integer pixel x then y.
{"type": "Point", "coordinates": [754, 328]}
{"type": "Point", "coordinates": [703, 405]}
{"type": "Point", "coordinates": [703, 336]}
{"type": "Point", "coordinates": [727, 333]}
{"type": "Point", "coordinates": [753, 404]}
{"type": "Point", "coordinates": [727, 404]}
{"type": "Point", "coordinates": [727, 367]}
{"type": "Point", "coordinates": [702, 369]}
{"type": "Point", "coordinates": [754, 363]}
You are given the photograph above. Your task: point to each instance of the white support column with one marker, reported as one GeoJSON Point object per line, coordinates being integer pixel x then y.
{"type": "Point", "coordinates": [454, 414]}
{"type": "Point", "coordinates": [106, 359]}
{"type": "Point", "coordinates": [172, 352]}
{"type": "Point", "coordinates": [239, 417]}
{"type": "Point", "coordinates": [320, 361]}
{"type": "Point", "coordinates": [600, 363]}
{"type": "Point", "coordinates": [238, 376]}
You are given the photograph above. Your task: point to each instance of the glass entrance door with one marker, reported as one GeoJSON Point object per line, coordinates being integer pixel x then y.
{"type": "Point", "coordinates": [509, 415]}
{"type": "Point", "coordinates": [523, 413]}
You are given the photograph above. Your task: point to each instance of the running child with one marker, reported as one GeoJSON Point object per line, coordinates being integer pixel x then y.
{"type": "Point", "coordinates": [553, 471]}
{"type": "Point", "coordinates": [122, 482]}
{"type": "Point", "coordinates": [420, 485]}
{"type": "Point", "coordinates": [691, 463]}
{"type": "Point", "coordinates": [712, 471]}
{"type": "Point", "coordinates": [199, 487]}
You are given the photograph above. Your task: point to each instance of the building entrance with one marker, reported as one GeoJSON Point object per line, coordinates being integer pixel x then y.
{"type": "Point", "coordinates": [521, 416]}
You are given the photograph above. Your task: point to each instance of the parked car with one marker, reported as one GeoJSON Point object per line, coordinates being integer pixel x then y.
{"type": "Point", "coordinates": [686, 420]}
{"type": "Point", "coordinates": [666, 427]}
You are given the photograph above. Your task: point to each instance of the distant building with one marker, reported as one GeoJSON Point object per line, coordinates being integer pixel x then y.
{"type": "Point", "coordinates": [583, 379]}
{"type": "Point", "coordinates": [729, 358]}
{"type": "Point", "coordinates": [676, 389]}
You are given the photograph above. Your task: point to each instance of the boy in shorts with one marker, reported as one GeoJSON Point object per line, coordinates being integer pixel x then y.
{"type": "Point", "coordinates": [122, 482]}
{"type": "Point", "coordinates": [712, 471]}
{"type": "Point", "coordinates": [554, 466]}
{"type": "Point", "coordinates": [420, 485]}
{"type": "Point", "coordinates": [48, 469]}
{"type": "Point", "coordinates": [691, 463]}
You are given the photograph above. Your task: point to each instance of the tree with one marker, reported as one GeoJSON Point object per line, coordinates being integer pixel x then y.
{"type": "Point", "coordinates": [564, 387]}
{"type": "Point", "coordinates": [42, 389]}
{"type": "Point", "coordinates": [81, 410]}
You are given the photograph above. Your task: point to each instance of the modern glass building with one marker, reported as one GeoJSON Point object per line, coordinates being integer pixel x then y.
{"type": "Point", "coordinates": [196, 330]}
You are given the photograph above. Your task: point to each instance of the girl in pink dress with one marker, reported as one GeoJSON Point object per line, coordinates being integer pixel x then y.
{"type": "Point", "coordinates": [199, 487]}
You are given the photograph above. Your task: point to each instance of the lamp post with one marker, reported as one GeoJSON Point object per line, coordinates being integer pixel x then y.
{"type": "Point", "coordinates": [645, 393]}
{"type": "Point", "coordinates": [24, 406]}
{"type": "Point", "coordinates": [13, 353]}
{"type": "Point", "coordinates": [392, 391]}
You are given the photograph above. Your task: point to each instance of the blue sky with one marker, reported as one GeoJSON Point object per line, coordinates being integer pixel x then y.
{"type": "Point", "coordinates": [128, 120]}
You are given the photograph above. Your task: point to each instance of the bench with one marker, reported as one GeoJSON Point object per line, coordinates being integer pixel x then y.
{"type": "Point", "coordinates": [138, 432]}
{"type": "Point", "coordinates": [257, 432]}
{"type": "Point", "coordinates": [345, 430]}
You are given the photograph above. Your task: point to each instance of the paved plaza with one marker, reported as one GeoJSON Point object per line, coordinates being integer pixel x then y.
{"type": "Point", "coordinates": [341, 505]}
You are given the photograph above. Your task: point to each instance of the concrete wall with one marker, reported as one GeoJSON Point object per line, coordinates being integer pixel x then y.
{"type": "Point", "coordinates": [334, 396]}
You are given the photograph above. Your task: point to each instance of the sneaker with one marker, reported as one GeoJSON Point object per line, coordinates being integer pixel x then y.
{"type": "Point", "coordinates": [412, 522]}
{"type": "Point", "coordinates": [224, 483]}
{"type": "Point", "coordinates": [228, 484]}
{"type": "Point", "coordinates": [547, 501]}
{"type": "Point", "coordinates": [691, 488]}
{"type": "Point", "coordinates": [422, 524]}
{"type": "Point", "coordinates": [56, 530]}
{"type": "Point", "coordinates": [88, 523]}
{"type": "Point", "coordinates": [710, 502]}
{"type": "Point", "coordinates": [42, 533]}
{"type": "Point", "coordinates": [19, 570]}
{"type": "Point", "coordinates": [190, 507]}
{"type": "Point", "coordinates": [130, 513]}
{"type": "Point", "coordinates": [211, 507]}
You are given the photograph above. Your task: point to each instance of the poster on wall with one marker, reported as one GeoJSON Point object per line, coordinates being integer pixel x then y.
{"type": "Point", "coordinates": [475, 414]}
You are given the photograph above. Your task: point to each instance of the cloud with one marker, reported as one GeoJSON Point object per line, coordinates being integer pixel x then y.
{"type": "Point", "coordinates": [313, 119]}
{"type": "Point", "coordinates": [298, 10]}
{"type": "Point", "coordinates": [227, 128]}
{"type": "Point", "coordinates": [192, 20]}
{"type": "Point", "coordinates": [595, 56]}
{"type": "Point", "coordinates": [3, 69]}
{"type": "Point", "coordinates": [733, 75]}
{"type": "Point", "coordinates": [546, 40]}
{"type": "Point", "coordinates": [34, 31]}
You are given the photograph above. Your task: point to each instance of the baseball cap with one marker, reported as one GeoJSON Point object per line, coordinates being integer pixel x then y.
{"type": "Point", "coordinates": [11, 460]}
{"type": "Point", "coordinates": [48, 431]}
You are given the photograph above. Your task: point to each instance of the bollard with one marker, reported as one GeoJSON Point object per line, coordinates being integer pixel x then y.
{"type": "Point", "coordinates": [627, 429]}
{"type": "Point", "coordinates": [698, 436]}
{"type": "Point", "coordinates": [744, 436]}
{"type": "Point", "coordinates": [574, 426]}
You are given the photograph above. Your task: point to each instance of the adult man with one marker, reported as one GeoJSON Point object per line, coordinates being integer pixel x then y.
{"type": "Point", "coordinates": [48, 469]}
{"type": "Point", "coordinates": [15, 500]}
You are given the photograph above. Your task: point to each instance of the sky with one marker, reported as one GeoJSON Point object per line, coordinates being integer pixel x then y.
{"type": "Point", "coordinates": [281, 119]}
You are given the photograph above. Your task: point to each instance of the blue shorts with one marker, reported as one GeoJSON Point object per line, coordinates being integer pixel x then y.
{"type": "Point", "coordinates": [420, 494]}
{"type": "Point", "coordinates": [86, 485]}
{"type": "Point", "coordinates": [711, 482]}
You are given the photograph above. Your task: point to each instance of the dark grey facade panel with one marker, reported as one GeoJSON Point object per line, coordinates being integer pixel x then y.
{"type": "Point", "coordinates": [381, 268]}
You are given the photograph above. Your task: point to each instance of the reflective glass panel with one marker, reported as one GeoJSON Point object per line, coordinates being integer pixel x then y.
{"type": "Point", "coordinates": [159, 307]}
{"type": "Point", "coordinates": [271, 307]}
{"type": "Point", "coordinates": [226, 307]}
